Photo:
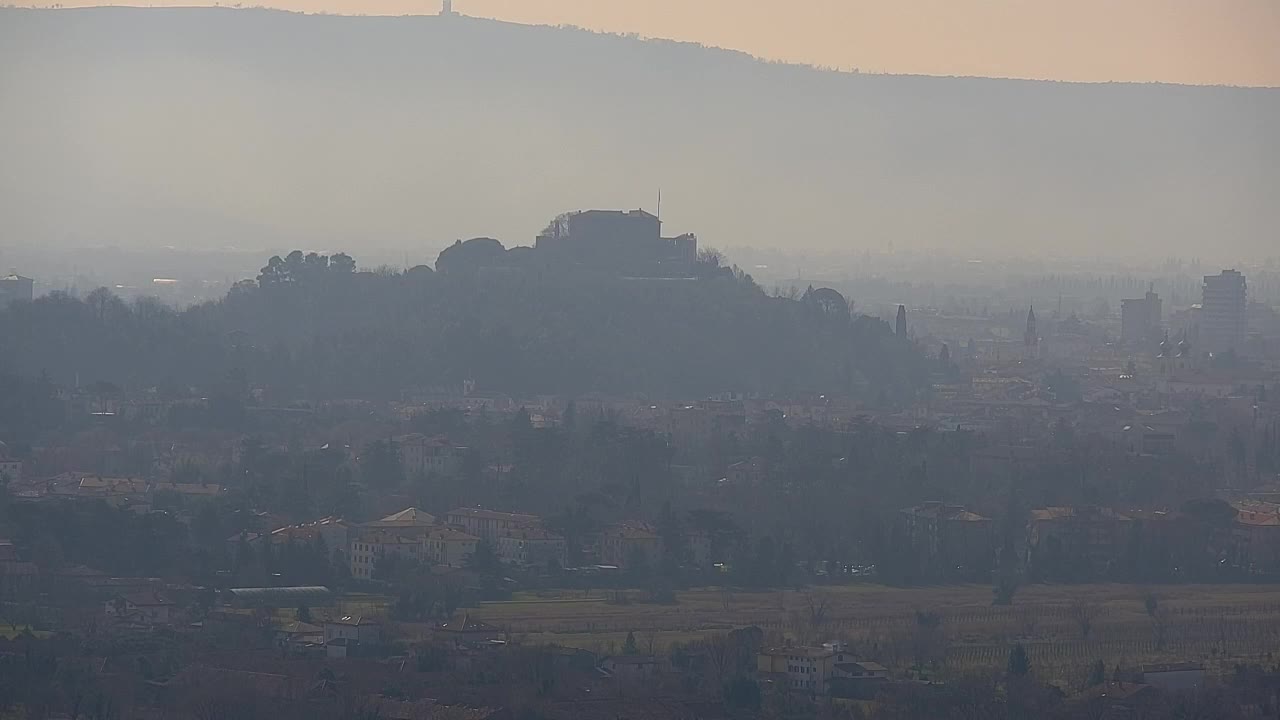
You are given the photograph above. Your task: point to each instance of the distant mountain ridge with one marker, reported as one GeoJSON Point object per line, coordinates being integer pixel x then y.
{"type": "Point", "coordinates": [215, 127]}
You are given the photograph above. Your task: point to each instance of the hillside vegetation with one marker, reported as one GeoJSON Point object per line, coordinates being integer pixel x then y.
{"type": "Point", "coordinates": [312, 328]}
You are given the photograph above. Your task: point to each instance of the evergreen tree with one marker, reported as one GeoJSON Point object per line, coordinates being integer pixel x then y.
{"type": "Point", "coordinates": [1007, 565]}
{"type": "Point", "coordinates": [569, 421]}
{"type": "Point", "coordinates": [380, 464]}
{"type": "Point", "coordinates": [485, 559]}
{"type": "Point", "coordinates": [742, 692]}
{"type": "Point", "coordinates": [1097, 673]}
{"type": "Point", "coordinates": [629, 647]}
{"type": "Point", "coordinates": [1019, 663]}
{"type": "Point", "coordinates": [321, 561]}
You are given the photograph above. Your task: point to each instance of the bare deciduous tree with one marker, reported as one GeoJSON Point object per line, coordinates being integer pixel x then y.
{"type": "Point", "coordinates": [649, 637]}
{"type": "Point", "coordinates": [1028, 622]}
{"type": "Point", "coordinates": [721, 657]}
{"type": "Point", "coordinates": [818, 604]}
{"type": "Point", "coordinates": [928, 642]}
{"type": "Point", "coordinates": [1084, 612]}
{"type": "Point", "coordinates": [1159, 618]}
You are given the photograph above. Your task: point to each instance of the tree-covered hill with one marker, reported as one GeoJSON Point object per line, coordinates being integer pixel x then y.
{"type": "Point", "coordinates": [313, 327]}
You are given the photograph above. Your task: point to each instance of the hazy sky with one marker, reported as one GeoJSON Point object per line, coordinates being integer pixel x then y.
{"type": "Point", "coordinates": [1234, 42]}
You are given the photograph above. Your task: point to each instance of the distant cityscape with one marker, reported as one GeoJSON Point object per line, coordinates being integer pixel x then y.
{"type": "Point", "coordinates": [1048, 450]}
{"type": "Point", "coordinates": [437, 367]}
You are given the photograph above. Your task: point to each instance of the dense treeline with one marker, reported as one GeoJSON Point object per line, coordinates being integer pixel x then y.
{"type": "Point", "coordinates": [28, 406]}
{"type": "Point", "coordinates": [847, 487]}
{"type": "Point", "coordinates": [312, 327]}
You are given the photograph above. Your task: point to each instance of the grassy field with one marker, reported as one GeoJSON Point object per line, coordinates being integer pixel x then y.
{"type": "Point", "coordinates": [10, 632]}
{"type": "Point", "coordinates": [1063, 627]}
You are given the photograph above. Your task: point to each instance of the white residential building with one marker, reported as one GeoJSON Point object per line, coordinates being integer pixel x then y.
{"type": "Point", "coordinates": [489, 525]}
{"type": "Point", "coordinates": [531, 547]}
{"type": "Point", "coordinates": [449, 547]}
{"type": "Point", "coordinates": [422, 455]}
{"type": "Point", "coordinates": [370, 548]}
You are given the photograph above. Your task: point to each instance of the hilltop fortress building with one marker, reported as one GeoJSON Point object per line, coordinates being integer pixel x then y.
{"type": "Point", "coordinates": [628, 242]}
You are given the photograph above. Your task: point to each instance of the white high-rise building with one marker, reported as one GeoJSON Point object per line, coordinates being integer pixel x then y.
{"type": "Point", "coordinates": [1222, 314]}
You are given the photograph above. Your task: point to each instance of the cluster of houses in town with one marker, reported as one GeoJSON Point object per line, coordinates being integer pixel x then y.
{"type": "Point", "coordinates": [832, 670]}
{"type": "Point", "coordinates": [451, 541]}
{"type": "Point", "coordinates": [133, 493]}
{"type": "Point", "coordinates": [316, 622]}
{"type": "Point", "coordinates": [1096, 537]}
{"type": "Point", "coordinates": [517, 539]}
{"type": "Point", "coordinates": [817, 670]}
{"type": "Point", "coordinates": [1018, 400]}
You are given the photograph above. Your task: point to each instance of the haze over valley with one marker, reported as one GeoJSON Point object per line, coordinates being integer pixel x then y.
{"type": "Point", "coordinates": [217, 128]}
{"type": "Point", "coordinates": [437, 367]}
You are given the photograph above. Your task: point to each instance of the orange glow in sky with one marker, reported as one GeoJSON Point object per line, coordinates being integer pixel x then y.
{"type": "Point", "coordinates": [1228, 42]}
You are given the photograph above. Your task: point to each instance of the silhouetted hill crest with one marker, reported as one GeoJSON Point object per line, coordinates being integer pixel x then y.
{"type": "Point", "coordinates": [149, 126]}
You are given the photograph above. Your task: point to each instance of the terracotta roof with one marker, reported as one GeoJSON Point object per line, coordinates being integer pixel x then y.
{"type": "Point", "coordinates": [1256, 513]}
{"type": "Point", "coordinates": [113, 486]}
{"type": "Point", "coordinates": [1255, 518]}
{"type": "Point", "coordinates": [1081, 513]}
